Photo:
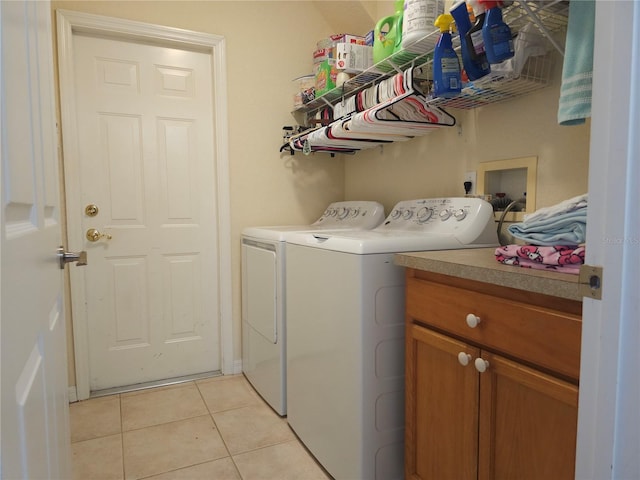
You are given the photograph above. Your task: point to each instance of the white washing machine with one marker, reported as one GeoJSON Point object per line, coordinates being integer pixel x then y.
{"type": "Point", "coordinates": [345, 331]}
{"type": "Point", "coordinates": [263, 293]}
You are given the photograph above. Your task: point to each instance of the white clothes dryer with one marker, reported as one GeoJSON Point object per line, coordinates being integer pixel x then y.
{"type": "Point", "coordinates": [345, 331]}
{"type": "Point", "coordinates": [263, 293]}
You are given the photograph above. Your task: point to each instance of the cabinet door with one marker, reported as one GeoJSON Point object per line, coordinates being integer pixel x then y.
{"type": "Point", "coordinates": [528, 423]}
{"type": "Point", "coordinates": [442, 408]}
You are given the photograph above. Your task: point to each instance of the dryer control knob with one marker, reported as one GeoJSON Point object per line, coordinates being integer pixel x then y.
{"type": "Point", "coordinates": [396, 214]}
{"type": "Point", "coordinates": [407, 214]}
{"type": "Point", "coordinates": [355, 212]}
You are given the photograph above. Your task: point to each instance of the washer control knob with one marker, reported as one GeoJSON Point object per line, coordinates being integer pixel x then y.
{"type": "Point", "coordinates": [343, 213]}
{"type": "Point", "coordinates": [424, 214]}
{"type": "Point", "coordinates": [355, 212]}
{"type": "Point", "coordinates": [396, 214]}
{"type": "Point", "coordinates": [445, 214]}
{"type": "Point", "coordinates": [407, 214]}
{"type": "Point", "coordinates": [460, 214]}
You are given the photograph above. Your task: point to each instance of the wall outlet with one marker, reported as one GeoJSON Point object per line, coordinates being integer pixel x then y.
{"type": "Point", "coordinates": [470, 177]}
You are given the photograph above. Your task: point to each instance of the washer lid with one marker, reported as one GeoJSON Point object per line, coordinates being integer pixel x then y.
{"type": "Point", "coordinates": [415, 225]}
{"type": "Point", "coordinates": [370, 242]}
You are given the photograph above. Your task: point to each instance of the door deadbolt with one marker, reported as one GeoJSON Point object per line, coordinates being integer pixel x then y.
{"type": "Point", "coordinates": [93, 235]}
{"type": "Point", "coordinates": [91, 210]}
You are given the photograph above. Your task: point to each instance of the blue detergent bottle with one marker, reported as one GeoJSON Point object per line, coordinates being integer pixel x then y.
{"type": "Point", "coordinates": [476, 66]}
{"type": "Point", "coordinates": [446, 66]}
{"type": "Point", "coordinates": [498, 42]}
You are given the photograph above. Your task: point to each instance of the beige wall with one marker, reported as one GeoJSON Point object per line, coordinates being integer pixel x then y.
{"type": "Point", "coordinates": [270, 43]}
{"type": "Point", "coordinates": [435, 165]}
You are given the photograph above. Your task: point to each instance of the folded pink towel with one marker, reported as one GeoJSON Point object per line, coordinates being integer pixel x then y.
{"type": "Point", "coordinates": [561, 258]}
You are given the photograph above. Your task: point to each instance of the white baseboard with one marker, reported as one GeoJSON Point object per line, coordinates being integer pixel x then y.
{"type": "Point", "coordinates": [237, 367]}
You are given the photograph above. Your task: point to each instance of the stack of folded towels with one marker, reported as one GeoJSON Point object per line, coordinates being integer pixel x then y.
{"type": "Point", "coordinates": [555, 238]}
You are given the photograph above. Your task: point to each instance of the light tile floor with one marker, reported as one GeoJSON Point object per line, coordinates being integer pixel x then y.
{"type": "Point", "coordinates": [218, 428]}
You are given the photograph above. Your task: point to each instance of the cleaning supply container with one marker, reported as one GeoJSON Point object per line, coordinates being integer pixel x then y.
{"type": "Point", "coordinates": [419, 18]}
{"type": "Point", "coordinates": [474, 39]}
{"type": "Point", "coordinates": [446, 66]}
{"type": "Point", "coordinates": [498, 42]}
{"type": "Point", "coordinates": [387, 34]}
{"type": "Point", "coordinates": [478, 66]}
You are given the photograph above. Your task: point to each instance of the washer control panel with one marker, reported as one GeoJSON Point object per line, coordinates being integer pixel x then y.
{"type": "Point", "coordinates": [351, 214]}
{"type": "Point", "coordinates": [438, 215]}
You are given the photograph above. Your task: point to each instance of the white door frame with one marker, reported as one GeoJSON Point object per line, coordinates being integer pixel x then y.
{"type": "Point", "coordinates": [69, 23]}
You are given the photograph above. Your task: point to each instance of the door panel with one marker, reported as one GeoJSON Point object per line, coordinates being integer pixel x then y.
{"type": "Point", "coordinates": [528, 423]}
{"type": "Point", "coordinates": [146, 159]}
{"type": "Point", "coordinates": [35, 429]}
{"type": "Point", "coordinates": [442, 408]}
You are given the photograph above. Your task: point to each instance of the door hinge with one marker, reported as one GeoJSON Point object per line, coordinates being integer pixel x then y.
{"type": "Point", "coordinates": [590, 282]}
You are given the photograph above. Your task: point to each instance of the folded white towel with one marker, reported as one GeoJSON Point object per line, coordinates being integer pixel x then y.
{"type": "Point", "coordinates": [563, 207]}
{"type": "Point", "coordinates": [563, 229]}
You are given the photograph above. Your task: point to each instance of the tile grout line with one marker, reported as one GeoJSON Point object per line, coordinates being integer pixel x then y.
{"type": "Point", "coordinates": [219, 432]}
{"type": "Point", "coordinates": [257, 400]}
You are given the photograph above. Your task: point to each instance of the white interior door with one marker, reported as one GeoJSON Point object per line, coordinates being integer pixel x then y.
{"type": "Point", "coordinates": [608, 414]}
{"type": "Point", "coordinates": [35, 428]}
{"type": "Point", "coordinates": [146, 160]}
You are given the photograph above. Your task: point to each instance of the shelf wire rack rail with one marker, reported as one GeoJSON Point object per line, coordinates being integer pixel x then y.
{"type": "Point", "coordinates": [550, 20]}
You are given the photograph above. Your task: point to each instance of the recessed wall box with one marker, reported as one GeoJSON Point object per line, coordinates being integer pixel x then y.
{"type": "Point", "coordinates": [513, 177]}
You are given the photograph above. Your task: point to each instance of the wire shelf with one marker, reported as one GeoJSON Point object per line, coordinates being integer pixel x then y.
{"type": "Point", "coordinates": [497, 87]}
{"type": "Point", "coordinates": [549, 18]}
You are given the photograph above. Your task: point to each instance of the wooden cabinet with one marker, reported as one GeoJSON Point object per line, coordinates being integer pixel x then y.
{"type": "Point", "coordinates": [518, 418]}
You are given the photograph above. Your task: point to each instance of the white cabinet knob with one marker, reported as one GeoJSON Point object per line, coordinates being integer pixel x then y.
{"type": "Point", "coordinates": [472, 320]}
{"type": "Point", "coordinates": [481, 365]}
{"type": "Point", "coordinates": [464, 359]}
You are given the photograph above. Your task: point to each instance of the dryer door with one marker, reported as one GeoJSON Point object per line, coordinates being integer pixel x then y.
{"type": "Point", "coordinates": [260, 288]}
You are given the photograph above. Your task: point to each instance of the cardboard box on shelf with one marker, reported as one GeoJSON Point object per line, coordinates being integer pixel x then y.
{"type": "Point", "coordinates": [326, 48]}
{"type": "Point", "coordinates": [322, 54]}
{"type": "Point", "coordinates": [333, 40]}
{"type": "Point", "coordinates": [369, 38]}
{"type": "Point", "coordinates": [353, 58]}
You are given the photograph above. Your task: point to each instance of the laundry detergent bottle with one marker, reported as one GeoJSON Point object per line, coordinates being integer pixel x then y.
{"type": "Point", "coordinates": [446, 66]}
{"type": "Point", "coordinates": [478, 66]}
{"type": "Point", "coordinates": [387, 34]}
{"type": "Point", "coordinates": [498, 42]}
{"type": "Point", "coordinates": [419, 18]}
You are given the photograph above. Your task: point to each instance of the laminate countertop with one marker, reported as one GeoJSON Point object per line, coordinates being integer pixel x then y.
{"type": "Point", "coordinates": [480, 264]}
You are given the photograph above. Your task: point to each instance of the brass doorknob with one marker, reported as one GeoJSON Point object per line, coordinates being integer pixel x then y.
{"type": "Point", "coordinates": [93, 235]}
